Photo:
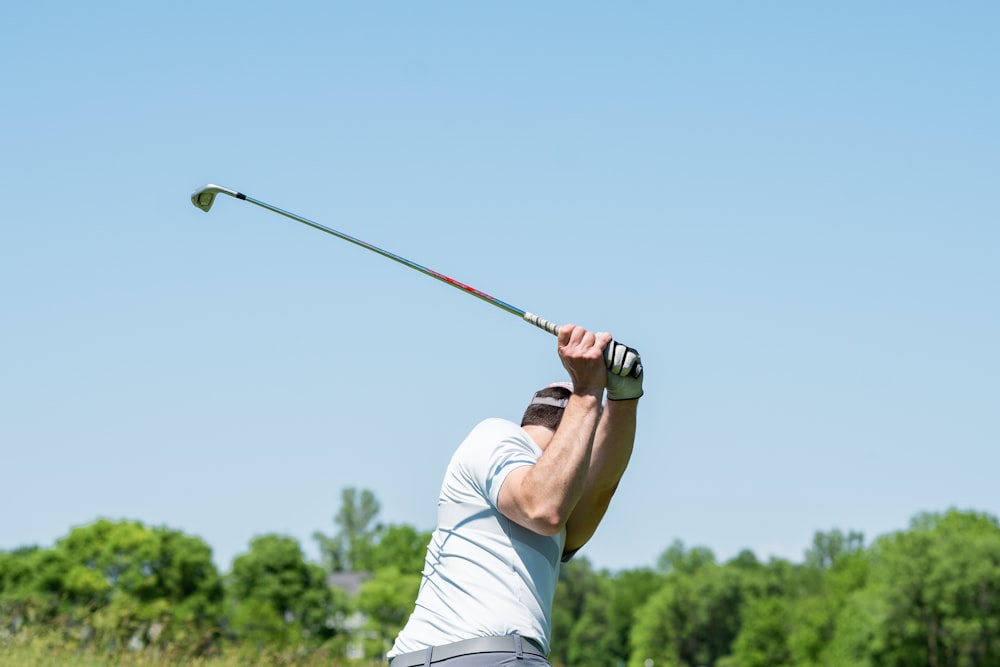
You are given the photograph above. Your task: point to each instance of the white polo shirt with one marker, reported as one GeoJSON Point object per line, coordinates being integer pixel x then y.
{"type": "Point", "coordinates": [484, 575]}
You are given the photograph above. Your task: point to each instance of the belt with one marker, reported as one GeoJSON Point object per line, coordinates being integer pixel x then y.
{"type": "Point", "coordinates": [504, 644]}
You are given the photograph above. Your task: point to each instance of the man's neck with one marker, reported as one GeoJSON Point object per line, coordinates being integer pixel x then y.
{"type": "Point", "coordinates": [540, 434]}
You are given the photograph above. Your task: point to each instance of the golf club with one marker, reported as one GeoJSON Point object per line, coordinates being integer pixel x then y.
{"type": "Point", "coordinates": [204, 198]}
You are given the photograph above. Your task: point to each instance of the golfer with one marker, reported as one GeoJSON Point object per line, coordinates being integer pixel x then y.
{"type": "Point", "coordinates": [516, 502]}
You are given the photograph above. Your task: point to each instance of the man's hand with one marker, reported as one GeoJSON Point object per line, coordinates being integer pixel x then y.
{"type": "Point", "coordinates": [582, 355]}
{"type": "Point", "coordinates": [620, 361]}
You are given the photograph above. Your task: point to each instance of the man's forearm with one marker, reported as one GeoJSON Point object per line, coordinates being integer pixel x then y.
{"type": "Point", "coordinates": [609, 458]}
{"type": "Point", "coordinates": [612, 445]}
{"type": "Point", "coordinates": [559, 478]}
{"type": "Point", "coordinates": [543, 496]}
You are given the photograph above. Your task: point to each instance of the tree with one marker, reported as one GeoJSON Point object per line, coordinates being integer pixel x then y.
{"type": "Point", "coordinates": [600, 635]}
{"type": "Point", "coordinates": [276, 598]}
{"type": "Point", "coordinates": [933, 596]}
{"type": "Point", "coordinates": [387, 600]}
{"type": "Point", "coordinates": [577, 582]}
{"type": "Point", "coordinates": [16, 570]}
{"type": "Point", "coordinates": [399, 546]}
{"type": "Point", "coordinates": [816, 612]}
{"type": "Point", "coordinates": [142, 585]}
{"type": "Point", "coordinates": [350, 548]}
{"type": "Point", "coordinates": [122, 583]}
{"type": "Point", "coordinates": [591, 639]}
{"type": "Point", "coordinates": [828, 547]}
{"type": "Point", "coordinates": [678, 558]}
{"type": "Point", "coordinates": [696, 614]}
{"type": "Point", "coordinates": [30, 579]}
{"type": "Point", "coordinates": [364, 545]}
{"type": "Point", "coordinates": [762, 640]}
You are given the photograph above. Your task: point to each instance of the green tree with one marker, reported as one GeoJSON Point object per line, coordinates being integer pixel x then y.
{"type": "Point", "coordinates": [827, 548]}
{"type": "Point", "coordinates": [591, 638]}
{"type": "Point", "coordinates": [30, 581]}
{"type": "Point", "coordinates": [387, 600]}
{"type": "Point", "coordinates": [933, 597]}
{"type": "Point", "coordinates": [577, 582]}
{"type": "Point", "coordinates": [762, 639]}
{"type": "Point", "coordinates": [350, 549]}
{"type": "Point", "coordinates": [362, 544]}
{"type": "Point", "coordinates": [695, 616]}
{"type": "Point", "coordinates": [16, 570]}
{"type": "Point", "coordinates": [400, 546]}
{"type": "Point", "coordinates": [832, 580]}
{"type": "Point", "coordinates": [792, 616]}
{"type": "Point", "coordinates": [277, 598]}
{"type": "Point", "coordinates": [142, 584]}
{"type": "Point", "coordinates": [678, 558]}
{"type": "Point", "coordinates": [764, 613]}
{"type": "Point", "coordinates": [600, 636]}
{"type": "Point", "coordinates": [120, 583]}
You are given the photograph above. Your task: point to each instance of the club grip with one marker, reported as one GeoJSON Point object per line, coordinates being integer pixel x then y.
{"type": "Point", "coordinates": [553, 329]}
{"type": "Point", "coordinates": [542, 323]}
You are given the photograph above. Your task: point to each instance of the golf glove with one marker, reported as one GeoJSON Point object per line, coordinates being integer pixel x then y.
{"type": "Point", "coordinates": [621, 359]}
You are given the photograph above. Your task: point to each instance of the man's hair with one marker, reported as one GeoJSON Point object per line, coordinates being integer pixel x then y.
{"type": "Point", "coordinates": [546, 408]}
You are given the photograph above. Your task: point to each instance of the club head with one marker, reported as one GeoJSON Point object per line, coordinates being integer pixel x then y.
{"type": "Point", "coordinates": [204, 197]}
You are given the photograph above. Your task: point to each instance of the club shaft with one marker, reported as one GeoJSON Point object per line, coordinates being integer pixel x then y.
{"type": "Point", "coordinates": [531, 318]}
{"type": "Point", "coordinates": [203, 199]}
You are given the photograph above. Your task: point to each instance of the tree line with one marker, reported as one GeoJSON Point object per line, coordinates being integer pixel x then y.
{"type": "Point", "coordinates": [927, 595]}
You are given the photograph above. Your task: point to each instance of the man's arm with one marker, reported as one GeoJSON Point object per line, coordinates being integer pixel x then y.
{"type": "Point", "coordinates": [608, 460]}
{"type": "Point", "coordinates": [542, 497]}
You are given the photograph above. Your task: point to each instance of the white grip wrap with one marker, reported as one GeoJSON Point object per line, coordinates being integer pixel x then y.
{"type": "Point", "coordinates": [541, 323]}
{"type": "Point", "coordinates": [619, 357]}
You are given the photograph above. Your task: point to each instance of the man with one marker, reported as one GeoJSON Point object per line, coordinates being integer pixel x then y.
{"type": "Point", "coordinates": [517, 501]}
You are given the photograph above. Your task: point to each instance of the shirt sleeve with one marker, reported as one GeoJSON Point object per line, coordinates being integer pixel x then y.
{"type": "Point", "coordinates": [509, 455]}
{"type": "Point", "coordinates": [494, 449]}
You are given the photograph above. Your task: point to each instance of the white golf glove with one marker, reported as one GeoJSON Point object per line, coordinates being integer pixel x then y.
{"type": "Point", "coordinates": [621, 359]}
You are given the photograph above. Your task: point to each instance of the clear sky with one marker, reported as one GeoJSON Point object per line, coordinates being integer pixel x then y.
{"type": "Point", "coordinates": [791, 209]}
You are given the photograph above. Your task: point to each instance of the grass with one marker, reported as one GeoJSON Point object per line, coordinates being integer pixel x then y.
{"type": "Point", "coordinates": [43, 652]}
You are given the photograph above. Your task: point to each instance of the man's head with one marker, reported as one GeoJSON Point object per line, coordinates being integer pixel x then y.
{"type": "Point", "coordinates": [546, 407]}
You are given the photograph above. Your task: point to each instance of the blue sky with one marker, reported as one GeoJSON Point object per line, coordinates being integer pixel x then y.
{"type": "Point", "coordinates": [792, 210]}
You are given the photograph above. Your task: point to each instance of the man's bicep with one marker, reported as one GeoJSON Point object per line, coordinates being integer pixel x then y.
{"type": "Point", "coordinates": [511, 500]}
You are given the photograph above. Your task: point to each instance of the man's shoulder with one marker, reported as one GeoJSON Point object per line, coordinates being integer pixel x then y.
{"type": "Point", "coordinates": [496, 431]}
{"type": "Point", "coordinates": [497, 425]}
{"type": "Point", "coordinates": [492, 436]}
